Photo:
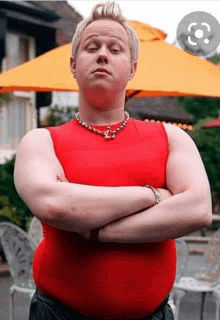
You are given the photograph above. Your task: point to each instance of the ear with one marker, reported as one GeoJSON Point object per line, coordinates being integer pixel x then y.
{"type": "Point", "coordinates": [72, 65]}
{"type": "Point", "coordinates": [133, 70]}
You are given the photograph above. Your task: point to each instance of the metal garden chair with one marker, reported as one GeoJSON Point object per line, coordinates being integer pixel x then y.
{"type": "Point", "coordinates": [19, 249]}
{"type": "Point", "coordinates": [203, 278]}
{"type": "Point", "coordinates": [35, 230]}
{"type": "Point", "coordinates": [182, 257]}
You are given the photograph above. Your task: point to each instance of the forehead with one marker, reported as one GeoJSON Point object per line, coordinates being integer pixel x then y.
{"type": "Point", "coordinates": [105, 27]}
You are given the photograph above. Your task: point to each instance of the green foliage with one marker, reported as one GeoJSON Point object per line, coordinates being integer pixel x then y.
{"type": "Point", "coordinates": [214, 59]}
{"type": "Point", "coordinates": [12, 207]}
{"type": "Point", "coordinates": [207, 141]}
{"type": "Point", "coordinates": [5, 98]}
{"type": "Point", "coordinates": [195, 134]}
{"type": "Point", "coordinates": [200, 107]}
{"type": "Point", "coordinates": [58, 116]}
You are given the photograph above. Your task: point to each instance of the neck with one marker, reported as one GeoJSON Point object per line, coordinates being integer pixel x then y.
{"type": "Point", "coordinates": [101, 109]}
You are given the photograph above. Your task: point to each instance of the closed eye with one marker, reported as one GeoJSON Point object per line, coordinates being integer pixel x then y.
{"type": "Point", "coordinates": [92, 49]}
{"type": "Point", "coordinates": [115, 50]}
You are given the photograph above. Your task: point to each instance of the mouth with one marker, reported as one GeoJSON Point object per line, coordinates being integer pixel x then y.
{"type": "Point", "coordinates": [101, 71]}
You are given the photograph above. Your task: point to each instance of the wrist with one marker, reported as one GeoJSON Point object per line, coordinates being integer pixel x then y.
{"type": "Point", "coordinates": [147, 196]}
{"type": "Point", "coordinates": [156, 192]}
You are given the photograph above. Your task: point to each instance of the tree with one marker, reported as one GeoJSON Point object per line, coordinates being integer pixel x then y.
{"type": "Point", "coordinates": [5, 98]}
{"type": "Point", "coordinates": [12, 207]}
{"type": "Point", "coordinates": [200, 107]}
{"type": "Point", "coordinates": [58, 116]}
{"type": "Point", "coordinates": [209, 147]}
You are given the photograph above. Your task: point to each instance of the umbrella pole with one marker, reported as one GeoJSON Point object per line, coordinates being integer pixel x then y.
{"type": "Point", "coordinates": [38, 117]}
{"type": "Point", "coordinates": [202, 305]}
{"type": "Point", "coordinates": [132, 95]}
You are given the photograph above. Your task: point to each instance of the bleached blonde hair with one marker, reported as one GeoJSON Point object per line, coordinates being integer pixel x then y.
{"type": "Point", "coordinates": [112, 11]}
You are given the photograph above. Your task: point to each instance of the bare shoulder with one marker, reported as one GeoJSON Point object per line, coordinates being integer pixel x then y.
{"type": "Point", "coordinates": [37, 139]}
{"type": "Point", "coordinates": [185, 169]}
{"type": "Point", "coordinates": [36, 169]}
{"type": "Point", "coordinates": [38, 134]}
{"type": "Point", "coordinates": [37, 144]}
{"type": "Point", "coordinates": [177, 136]}
{"type": "Point", "coordinates": [174, 131]}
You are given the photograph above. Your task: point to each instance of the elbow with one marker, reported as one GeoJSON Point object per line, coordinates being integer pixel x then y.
{"type": "Point", "coordinates": [45, 214]}
{"type": "Point", "coordinates": [200, 204]}
{"type": "Point", "coordinates": [205, 214]}
{"type": "Point", "coordinates": [207, 218]}
{"type": "Point", "coordinates": [69, 219]}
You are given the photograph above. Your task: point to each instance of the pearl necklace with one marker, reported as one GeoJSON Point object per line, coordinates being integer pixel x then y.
{"type": "Point", "coordinates": [108, 129]}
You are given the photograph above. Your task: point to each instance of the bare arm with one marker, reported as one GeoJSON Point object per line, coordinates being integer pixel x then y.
{"type": "Point", "coordinates": [69, 206]}
{"type": "Point", "coordinates": [188, 210]}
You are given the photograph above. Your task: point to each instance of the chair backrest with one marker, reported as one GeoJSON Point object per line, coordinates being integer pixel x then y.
{"type": "Point", "coordinates": [35, 230]}
{"type": "Point", "coordinates": [182, 257]}
{"type": "Point", "coordinates": [211, 257]}
{"type": "Point", "coordinates": [19, 250]}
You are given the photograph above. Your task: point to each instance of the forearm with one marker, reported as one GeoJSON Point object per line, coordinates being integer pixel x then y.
{"type": "Point", "coordinates": [173, 218]}
{"type": "Point", "coordinates": [77, 207]}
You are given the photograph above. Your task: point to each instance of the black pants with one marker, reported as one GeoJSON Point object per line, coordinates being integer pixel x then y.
{"type": "Point", "coordinates": [45, 308]}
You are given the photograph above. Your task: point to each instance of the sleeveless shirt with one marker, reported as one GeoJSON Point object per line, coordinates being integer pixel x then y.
{"type": "Point", "coordinates": [107, 280]}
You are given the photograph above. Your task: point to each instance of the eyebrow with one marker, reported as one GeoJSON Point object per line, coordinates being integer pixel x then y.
{"type": "Point", "coordinates": [96, 35]}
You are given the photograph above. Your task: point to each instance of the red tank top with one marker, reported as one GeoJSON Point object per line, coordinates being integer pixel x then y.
{"type": "Point", "coordinates": [107, 280]}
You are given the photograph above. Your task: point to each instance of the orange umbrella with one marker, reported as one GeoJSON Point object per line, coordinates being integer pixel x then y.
{"type": "Point", "coordinates": [163, 70]}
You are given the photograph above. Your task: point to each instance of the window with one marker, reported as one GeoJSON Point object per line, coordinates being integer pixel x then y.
{"type": "Point", "coordinates": [17, 50]}
{"type": "Point", "coordinates": [19, 116]}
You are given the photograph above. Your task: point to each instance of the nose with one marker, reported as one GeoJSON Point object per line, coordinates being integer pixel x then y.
{"type": "Point", "coordinates": [102, 55]}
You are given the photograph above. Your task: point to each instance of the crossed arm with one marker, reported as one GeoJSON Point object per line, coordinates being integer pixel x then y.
{"type": "Point", "coordinates": [123, 214]}
{"type": "Point", "coordinates": [187, 210]}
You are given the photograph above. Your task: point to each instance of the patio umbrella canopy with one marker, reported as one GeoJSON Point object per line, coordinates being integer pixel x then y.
{"type": "Point", "coordinates": [163, 70]}
{"type": "Point", "coordinates": [212, 124]}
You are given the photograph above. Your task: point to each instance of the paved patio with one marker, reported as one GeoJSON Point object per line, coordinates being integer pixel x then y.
{"type": "Point", "coordinates": [22, 302]}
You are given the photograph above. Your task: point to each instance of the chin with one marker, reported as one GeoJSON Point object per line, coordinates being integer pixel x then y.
{"type": "Point", "coordinates": [99, 88]}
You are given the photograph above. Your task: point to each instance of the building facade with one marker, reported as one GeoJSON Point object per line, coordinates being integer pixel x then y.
{"type": "Point", "coordinates": [27, 30]}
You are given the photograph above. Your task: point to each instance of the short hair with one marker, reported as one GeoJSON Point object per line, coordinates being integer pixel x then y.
{"type": "Point", "coordinates": [112, 11]}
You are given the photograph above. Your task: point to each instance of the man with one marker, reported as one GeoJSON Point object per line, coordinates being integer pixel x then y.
{"type": "Point", "coordinates": [128, 189]}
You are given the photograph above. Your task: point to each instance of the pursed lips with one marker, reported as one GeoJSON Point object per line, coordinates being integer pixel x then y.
{"type": "Point", "coordinates": [101, 70]}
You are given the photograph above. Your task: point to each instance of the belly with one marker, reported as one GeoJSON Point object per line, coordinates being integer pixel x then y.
{"type": "Point", "coordinates": [106, 280]}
